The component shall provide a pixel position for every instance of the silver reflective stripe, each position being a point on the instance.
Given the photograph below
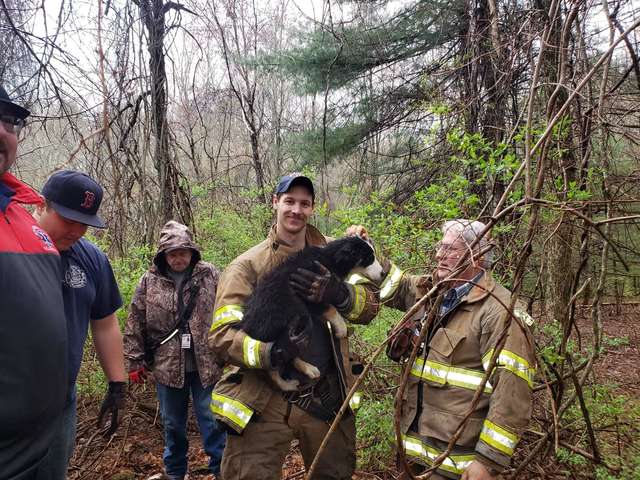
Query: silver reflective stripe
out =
(513, 363)
(251, 352)
(390, 283)
(414, 447)
(453, 463)
(356, 278)
(498, 438)
(226, 314)
(354, 402)
(359, 301)
(467, 379)
(233, 410)
(446, 374)
(429, 371)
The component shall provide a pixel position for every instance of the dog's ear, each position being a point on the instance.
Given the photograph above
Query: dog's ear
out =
(345, 259)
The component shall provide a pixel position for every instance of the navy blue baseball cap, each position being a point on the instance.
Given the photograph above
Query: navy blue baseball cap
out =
(294, 179)
(75, 196)
(8, 107)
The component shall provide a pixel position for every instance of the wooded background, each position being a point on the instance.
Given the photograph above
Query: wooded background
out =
(523, 114)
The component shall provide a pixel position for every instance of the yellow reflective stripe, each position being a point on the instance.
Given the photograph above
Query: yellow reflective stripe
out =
(446, 374)
(498, 438)
(359, 300)
(513, 363)
(233, 410)
(226, 314)
(354, 401)
(429, 371)
(251, 352)
(453, 463)
(356, 278)
(390, 283)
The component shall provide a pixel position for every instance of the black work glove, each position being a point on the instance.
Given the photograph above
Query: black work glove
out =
(287, 348)
(321, 287)
(113, 401)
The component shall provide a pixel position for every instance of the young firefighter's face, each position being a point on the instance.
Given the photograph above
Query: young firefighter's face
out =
(293, 209)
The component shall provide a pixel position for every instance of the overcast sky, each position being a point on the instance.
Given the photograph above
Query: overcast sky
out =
(78, 35)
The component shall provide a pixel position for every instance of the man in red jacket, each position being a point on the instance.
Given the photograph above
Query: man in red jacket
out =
(33, 333)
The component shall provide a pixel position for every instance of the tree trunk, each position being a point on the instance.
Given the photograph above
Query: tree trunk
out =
(171, 193)
(562, 246)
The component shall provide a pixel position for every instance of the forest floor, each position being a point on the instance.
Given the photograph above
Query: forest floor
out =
(135, 452)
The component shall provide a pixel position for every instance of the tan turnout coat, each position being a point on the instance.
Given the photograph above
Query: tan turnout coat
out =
(458, 355)
(246, 388)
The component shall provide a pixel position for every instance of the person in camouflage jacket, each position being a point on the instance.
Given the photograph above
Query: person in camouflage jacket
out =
(166, 334)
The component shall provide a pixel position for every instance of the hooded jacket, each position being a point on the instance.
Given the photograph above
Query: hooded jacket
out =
(450, 369)
(245, 389)
(154, 313)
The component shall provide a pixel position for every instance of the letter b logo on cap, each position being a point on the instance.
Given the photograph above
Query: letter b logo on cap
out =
(89, 200)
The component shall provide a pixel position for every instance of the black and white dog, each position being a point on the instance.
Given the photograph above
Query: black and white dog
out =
(274, 310)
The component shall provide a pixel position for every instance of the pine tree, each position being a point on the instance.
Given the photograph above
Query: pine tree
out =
(376, 69)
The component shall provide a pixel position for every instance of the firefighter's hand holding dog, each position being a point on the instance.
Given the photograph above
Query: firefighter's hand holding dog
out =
(319, 287)
(287, 348)
(358, 231)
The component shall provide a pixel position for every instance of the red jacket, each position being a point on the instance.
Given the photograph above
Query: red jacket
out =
(33, 334)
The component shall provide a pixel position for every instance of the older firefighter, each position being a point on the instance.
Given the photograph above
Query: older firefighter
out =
(263, 420)
(453, 360)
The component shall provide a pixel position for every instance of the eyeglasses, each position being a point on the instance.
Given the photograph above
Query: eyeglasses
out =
(452, 250)
(12, 124)
(450, 246)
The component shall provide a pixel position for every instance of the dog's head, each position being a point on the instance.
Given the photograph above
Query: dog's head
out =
(355, 255)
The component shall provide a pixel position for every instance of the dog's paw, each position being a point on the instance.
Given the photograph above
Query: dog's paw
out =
(338, 325)
(289, 385)
(312, 372)
(284, 385)
(340, 329)
(309, 370)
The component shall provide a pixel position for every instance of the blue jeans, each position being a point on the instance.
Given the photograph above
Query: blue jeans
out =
(64, 442)
(174, 403)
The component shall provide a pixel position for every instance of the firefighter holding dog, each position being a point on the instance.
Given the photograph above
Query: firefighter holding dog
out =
(261, 419)
(454, 357)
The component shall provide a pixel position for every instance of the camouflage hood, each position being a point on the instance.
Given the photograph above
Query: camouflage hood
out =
(174, 235)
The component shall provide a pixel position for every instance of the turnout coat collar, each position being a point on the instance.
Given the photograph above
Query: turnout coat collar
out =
(483, 288)
(312, 237)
